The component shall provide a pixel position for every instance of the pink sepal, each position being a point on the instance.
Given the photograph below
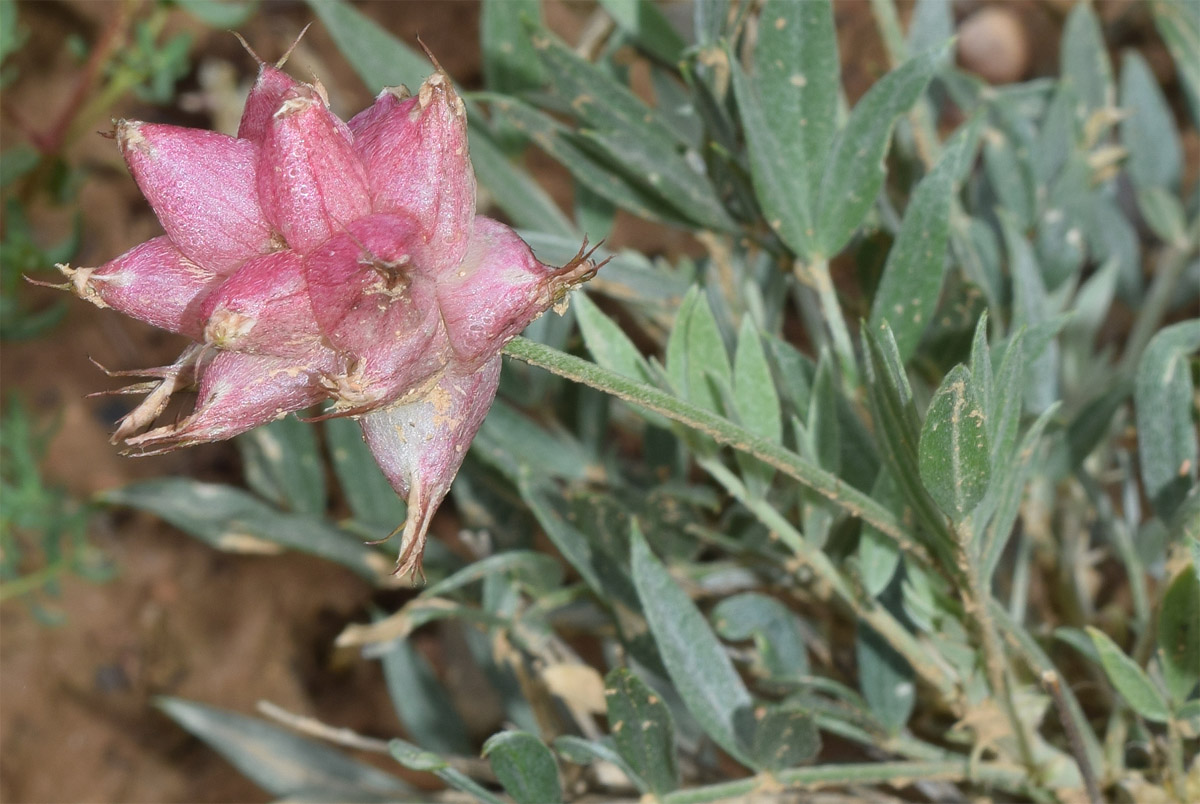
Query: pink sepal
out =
(420, 446)
(310, 182)
(151, 282)
(417, 161)
(499, 288)
(264, 309)
(377, 309)
(201, 185)
(264, 99)
(238, 392)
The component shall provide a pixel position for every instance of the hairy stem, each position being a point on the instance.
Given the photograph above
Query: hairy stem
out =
(976, 599)
(815, 274)
(843, 496)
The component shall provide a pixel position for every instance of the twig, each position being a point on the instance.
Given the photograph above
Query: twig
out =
(1052, 684)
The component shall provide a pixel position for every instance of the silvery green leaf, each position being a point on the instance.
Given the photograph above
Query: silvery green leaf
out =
(932, 23)
(879, 555)
(753, 386)
(1030, 308)
(510, 64)
(1164, 214)
(664, 173)
(1180, 29)
(1179, 634)
(773, 627)
(1163, 401)
(608, 344)
(421, 702)
(1085, 58)
(511, 441)
(705, 354)
(648, 27)
(898, 431)
(1148, 131)
(513, 190)
(642, 730)
(1130, 680)
(414, 758)
(824, 445)
(980, 367)
(789, 113)
(282, 463)
(908, 291)
(1001, 506)
(554, 138)
(1110, 235)
(855, 170)
(955, 456)
(1008, 391)
(695, 660)
(378, 58)
(785, 735)
(1009, 175)
(885, 679)
(524, 766)
(598, 100)
(281, 762)
(230, 519)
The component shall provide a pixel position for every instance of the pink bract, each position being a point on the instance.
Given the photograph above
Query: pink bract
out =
(315, 261)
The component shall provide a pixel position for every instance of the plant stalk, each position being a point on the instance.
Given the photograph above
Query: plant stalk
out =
(845, 497)
(815, 274)
(976, 599)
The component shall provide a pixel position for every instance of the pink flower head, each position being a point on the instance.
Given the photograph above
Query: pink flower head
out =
(313, 261)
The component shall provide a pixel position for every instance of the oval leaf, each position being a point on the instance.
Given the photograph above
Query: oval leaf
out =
(694, 658)
(642, 729)
(1179, 634)
(1130, 680)
(1163, 399)
(954, 453)
(525, 766)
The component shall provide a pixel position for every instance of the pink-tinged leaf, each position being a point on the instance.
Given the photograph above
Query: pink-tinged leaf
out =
(152, 282)
(415, 152)
(378, 310)
(420, 446)
(310, 182)
(238, 392)
(499, 288)
(265, 98)
(264, 309)
(202, 187)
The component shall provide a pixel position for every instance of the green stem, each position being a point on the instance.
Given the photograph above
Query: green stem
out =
(815, 274)
(1036, 659)
(901, 774)
(976, 602)
(843, 496)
